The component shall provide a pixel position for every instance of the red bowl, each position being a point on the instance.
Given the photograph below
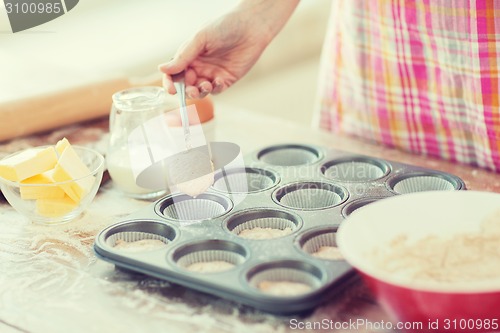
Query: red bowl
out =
(430, 311)
(423, 306)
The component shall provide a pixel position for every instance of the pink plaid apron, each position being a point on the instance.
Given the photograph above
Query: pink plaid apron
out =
(419, 75)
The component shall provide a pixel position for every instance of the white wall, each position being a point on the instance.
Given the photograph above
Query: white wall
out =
(284, 81)
(122, 38)
(98, 40)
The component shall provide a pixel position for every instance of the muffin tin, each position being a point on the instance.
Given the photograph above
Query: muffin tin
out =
(298, 193)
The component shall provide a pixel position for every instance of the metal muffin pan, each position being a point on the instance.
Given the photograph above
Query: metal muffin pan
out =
(296, 195)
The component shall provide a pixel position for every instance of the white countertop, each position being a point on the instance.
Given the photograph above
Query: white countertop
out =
(50, 280)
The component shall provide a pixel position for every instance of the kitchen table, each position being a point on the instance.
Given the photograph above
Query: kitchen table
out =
(51, 281)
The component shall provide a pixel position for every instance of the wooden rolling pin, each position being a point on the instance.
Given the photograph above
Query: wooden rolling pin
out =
(46, 112)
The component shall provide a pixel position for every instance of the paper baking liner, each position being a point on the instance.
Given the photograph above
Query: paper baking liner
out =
(262, 218)
(422, 183)
(286, 271)
(351, 207)
(289, 155)
(310, 195)
(133, 236)
(134, 231)
(355, 170)
(244, 180)
(185, 208)
(312, 241)
(209, 251)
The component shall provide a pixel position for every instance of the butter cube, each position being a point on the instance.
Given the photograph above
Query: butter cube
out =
(71, 167)
(55, 207)
(61, 145)
(41, 192)
(28, 163)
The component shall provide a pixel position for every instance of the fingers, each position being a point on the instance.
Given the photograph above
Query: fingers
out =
(184, 56)
(199, 87)
(204, 87)
(192, 92)
(188, 52)
(168, 85)
(190, 77)
(198, 84)
(200, 90)
(218, 85)
(195, 87)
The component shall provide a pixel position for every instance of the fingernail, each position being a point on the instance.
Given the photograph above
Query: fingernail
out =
(218, 82)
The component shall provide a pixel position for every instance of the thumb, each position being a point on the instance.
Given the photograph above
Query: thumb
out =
(183, 57)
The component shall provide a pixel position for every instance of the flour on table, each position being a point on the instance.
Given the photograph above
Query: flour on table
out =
(264, 233)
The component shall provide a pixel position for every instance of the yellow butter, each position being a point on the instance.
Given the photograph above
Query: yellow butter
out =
(61, 145)
(42, 178)
(71, 167)
(55, 207)
(34, 188)
(28, 164)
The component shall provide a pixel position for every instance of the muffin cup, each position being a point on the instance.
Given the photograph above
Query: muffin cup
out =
(133, 231)
(312, 241)
(351, 207)
(310, 195)
(423, 181)
(181, 207)
(289, 155)
(288, 271)
(209, 251)
(355, 169)
(262, 218)
(245, 180)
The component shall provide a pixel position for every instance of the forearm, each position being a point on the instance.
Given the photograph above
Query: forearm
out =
(225, 49)
(273, 14)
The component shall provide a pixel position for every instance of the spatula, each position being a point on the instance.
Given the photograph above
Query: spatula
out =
(180, 86)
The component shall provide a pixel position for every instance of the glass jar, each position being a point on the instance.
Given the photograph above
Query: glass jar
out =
(138, 137)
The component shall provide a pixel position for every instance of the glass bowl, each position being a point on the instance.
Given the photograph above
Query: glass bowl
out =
(52, 209)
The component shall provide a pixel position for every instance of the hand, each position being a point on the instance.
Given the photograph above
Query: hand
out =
(225, 50)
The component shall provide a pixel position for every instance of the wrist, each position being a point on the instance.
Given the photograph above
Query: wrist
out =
(266, 16)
